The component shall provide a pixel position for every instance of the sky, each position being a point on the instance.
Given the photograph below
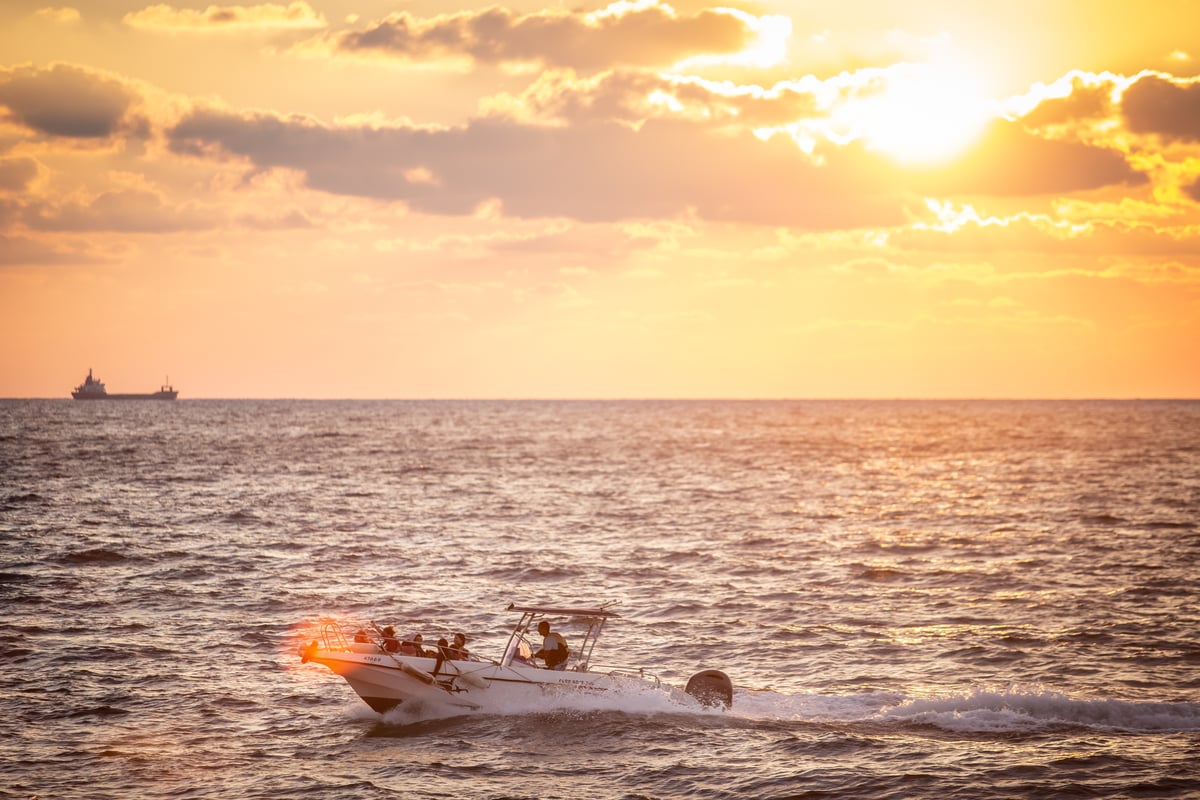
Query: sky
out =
(631, 199)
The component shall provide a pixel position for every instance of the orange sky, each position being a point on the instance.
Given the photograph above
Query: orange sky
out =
(633, 199)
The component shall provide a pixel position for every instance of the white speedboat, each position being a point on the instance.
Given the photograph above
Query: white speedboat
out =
(387, 671)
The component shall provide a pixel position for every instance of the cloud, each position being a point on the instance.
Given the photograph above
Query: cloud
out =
(1105, 108)
(1075, 98)
(17, 173)
(588, 167)
(632, 96)
(1192, 190)
(61, 16)
(1010, 160)
(162, 17)
(592, 172)
(962, 230)
(67, 101)
(1150, 120)
(618, 145)
(125, 210)
(23, 250)
(284, 220)
(994, 164)
(646, 34)
(1160, 105)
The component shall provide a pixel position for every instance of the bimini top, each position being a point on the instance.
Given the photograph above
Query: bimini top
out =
(601, 612)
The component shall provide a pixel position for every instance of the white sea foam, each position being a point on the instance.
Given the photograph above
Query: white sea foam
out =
(1013, 709)
(1031, 709)
(764, 704)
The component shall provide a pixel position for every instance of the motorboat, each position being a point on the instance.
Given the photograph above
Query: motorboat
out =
(388, 671)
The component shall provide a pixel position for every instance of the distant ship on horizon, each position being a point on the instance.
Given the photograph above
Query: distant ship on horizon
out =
(93, 389)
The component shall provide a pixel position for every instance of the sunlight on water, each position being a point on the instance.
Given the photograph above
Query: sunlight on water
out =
(912, 599)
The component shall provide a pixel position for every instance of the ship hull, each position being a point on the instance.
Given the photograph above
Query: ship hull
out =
(151, 396)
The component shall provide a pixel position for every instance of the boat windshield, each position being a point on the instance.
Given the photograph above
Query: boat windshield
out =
(519, 650)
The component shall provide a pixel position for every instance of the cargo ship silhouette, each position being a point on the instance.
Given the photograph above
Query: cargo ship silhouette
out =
(93, 389)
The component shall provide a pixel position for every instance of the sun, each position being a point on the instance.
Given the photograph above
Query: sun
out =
(918, 113)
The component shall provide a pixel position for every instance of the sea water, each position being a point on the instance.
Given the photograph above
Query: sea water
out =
(913, 599)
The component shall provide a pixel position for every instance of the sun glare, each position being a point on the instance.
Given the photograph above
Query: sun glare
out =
(922, 115)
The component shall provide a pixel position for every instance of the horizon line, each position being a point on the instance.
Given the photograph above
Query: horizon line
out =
(667, 399)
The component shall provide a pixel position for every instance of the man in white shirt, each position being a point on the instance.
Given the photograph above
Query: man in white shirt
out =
(554, 647)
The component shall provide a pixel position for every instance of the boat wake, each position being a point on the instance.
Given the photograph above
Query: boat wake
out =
(1013, 709)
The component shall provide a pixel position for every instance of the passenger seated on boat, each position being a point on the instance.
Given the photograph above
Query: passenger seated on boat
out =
(390, 643)
(458, 651)
(412, 646)
(554, 647)
(361, 637)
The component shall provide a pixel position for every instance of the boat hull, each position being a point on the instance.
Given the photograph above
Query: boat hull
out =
(385, 680)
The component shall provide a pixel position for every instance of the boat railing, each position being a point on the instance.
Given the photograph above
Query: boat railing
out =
(370, 638)
(333, 637)
(625, 671)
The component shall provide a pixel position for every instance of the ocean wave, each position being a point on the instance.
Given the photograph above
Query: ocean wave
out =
(98, 711)
(13, 500)
(1102, 519)
(522, 575)
(882, 574)
(95, 555)
(1025, 710)
(244, 517)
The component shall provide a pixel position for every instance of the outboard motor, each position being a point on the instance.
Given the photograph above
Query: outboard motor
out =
(712, 688)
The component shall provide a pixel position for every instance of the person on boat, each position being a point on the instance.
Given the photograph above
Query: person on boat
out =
(390, 643)
(458, 651)
(554, 647)
(412, 646)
